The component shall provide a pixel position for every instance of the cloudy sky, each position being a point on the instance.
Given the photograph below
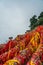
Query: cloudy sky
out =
(15, 15)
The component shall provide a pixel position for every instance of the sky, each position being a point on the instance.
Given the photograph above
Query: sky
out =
(15, 16)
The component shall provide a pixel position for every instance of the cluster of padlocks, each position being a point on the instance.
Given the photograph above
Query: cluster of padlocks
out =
(26, 49)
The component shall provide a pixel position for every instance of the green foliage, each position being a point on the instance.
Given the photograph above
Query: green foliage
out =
(34, 21)
(40, 21)
(41, 15)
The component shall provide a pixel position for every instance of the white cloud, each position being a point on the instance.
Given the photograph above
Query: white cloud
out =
(11, 21)
(15, 15)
